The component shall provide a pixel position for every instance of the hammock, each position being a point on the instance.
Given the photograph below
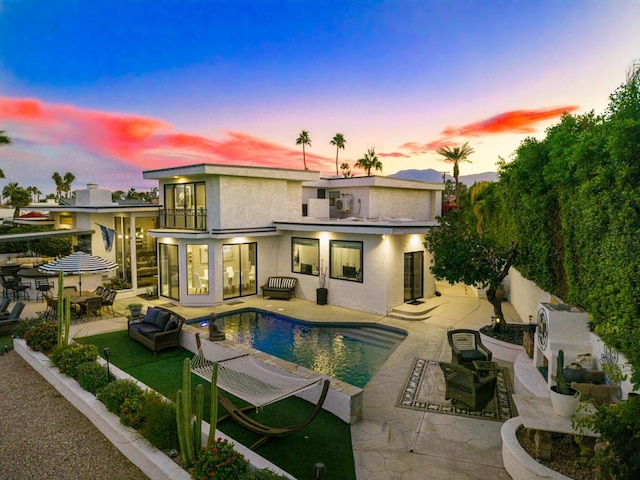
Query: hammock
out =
(258, 384)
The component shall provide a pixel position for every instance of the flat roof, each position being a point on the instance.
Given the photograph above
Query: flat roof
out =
(36, 235)
(232, 171)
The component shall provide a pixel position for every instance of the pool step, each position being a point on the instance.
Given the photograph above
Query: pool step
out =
(373, 336)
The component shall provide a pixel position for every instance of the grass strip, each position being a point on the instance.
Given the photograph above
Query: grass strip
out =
(326, 440)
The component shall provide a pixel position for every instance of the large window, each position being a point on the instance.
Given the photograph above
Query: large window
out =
(305, 255)
(169, 271)
(146, 255)
(185, 206)
(345, 259)
(239, 269)
(198, 269)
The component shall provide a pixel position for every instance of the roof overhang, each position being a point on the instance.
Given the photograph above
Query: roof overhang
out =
(358, 227)
(14, 237)
(232, 171)
(213, 234)
(96, 208)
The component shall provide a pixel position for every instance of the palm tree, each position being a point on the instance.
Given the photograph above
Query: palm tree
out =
(369, 161)
(4, 139)
(34, 191)
(456, 155)
(16, 197)
(59, 184)
(67, 181)
(338, 141)
(303, 139)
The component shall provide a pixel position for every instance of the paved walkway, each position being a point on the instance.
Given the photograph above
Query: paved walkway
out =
(391, 442)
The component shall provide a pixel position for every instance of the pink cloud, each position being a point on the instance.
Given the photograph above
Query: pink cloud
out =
(393, 155)
(514, 121)
(147, 142)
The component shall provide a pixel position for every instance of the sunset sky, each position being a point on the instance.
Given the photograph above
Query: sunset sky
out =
(107, 89)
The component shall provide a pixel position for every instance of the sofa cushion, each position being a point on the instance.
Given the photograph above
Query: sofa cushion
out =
(172, 324)
(146, 329)
(471, 355)
(162, 319)
(150, 316)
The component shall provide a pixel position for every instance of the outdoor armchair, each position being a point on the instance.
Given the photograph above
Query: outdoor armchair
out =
(466, 346)
(7, 323)
(467, 386)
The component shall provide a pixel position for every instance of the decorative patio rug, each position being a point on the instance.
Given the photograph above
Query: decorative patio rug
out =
(425, 388)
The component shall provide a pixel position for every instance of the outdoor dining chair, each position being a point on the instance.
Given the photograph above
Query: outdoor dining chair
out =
(108, 297)
(91, 306)
(42, 288)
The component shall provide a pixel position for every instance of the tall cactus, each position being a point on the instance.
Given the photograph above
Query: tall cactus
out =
(189, 431)
(561, 384)
(64, 313)
(213, 417)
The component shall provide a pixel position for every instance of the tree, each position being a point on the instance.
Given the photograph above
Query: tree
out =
(369, 161)
(303, 139)
(456, 155)
(461, 254)
(57, 178)
(34, 192)
(339, 142)
(68, 180)
(17, 197)
(4, 139)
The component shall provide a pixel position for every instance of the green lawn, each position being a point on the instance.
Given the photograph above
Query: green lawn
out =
(326, 440)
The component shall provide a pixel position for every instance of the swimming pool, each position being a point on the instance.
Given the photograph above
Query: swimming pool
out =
(348, 352)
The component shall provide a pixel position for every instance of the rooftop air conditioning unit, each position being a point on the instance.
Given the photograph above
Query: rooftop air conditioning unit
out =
(343, 204)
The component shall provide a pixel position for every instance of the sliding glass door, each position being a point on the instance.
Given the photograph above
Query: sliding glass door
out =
(239, 269)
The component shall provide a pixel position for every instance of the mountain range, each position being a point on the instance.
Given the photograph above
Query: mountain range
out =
(431, 175)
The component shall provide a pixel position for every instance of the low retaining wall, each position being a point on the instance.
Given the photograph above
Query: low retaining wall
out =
(517, 462)
(502, 350)
(155, 464)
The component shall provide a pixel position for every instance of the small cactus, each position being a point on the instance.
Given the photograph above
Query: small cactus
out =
(561, 384)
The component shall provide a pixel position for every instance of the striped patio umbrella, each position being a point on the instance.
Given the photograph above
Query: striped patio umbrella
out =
(79, 263)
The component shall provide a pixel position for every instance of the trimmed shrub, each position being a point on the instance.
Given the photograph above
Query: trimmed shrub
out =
(92, 376)
(219, 457)
(132, 411)
(21, 328)
(42, 337)
(159, 426)
(115, 393)
(68, 357)
(264, 474)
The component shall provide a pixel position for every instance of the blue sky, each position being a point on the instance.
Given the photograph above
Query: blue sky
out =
(107, 89)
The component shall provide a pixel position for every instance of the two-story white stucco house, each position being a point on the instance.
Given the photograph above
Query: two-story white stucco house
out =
(223, 230)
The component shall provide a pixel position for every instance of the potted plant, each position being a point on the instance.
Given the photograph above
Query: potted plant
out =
(135, 309)
(564, 399)
(322, 293)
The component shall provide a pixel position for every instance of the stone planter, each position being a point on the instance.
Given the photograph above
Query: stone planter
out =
(564, 405)
(501, 350)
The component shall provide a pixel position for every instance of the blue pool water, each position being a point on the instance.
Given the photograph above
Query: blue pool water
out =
(349, 353)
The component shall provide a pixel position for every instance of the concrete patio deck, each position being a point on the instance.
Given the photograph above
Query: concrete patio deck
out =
(390, 442)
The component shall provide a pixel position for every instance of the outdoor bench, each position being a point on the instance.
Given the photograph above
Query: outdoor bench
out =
(158, 329)
(279, 287)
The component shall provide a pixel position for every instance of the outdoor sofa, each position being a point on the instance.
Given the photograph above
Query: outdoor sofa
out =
(279, 287)
(158, 329)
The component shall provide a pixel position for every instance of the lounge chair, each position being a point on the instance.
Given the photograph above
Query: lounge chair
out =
(7, 324)
(466, 347)
(467, 386)
(4, 305)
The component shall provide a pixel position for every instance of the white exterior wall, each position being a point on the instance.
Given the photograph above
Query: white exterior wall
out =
(525, 295)
(400, 203)
(253, 202)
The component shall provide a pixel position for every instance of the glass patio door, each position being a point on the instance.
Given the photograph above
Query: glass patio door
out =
(413, 275)
(239, 269)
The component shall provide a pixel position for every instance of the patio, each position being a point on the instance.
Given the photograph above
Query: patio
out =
(392, 442)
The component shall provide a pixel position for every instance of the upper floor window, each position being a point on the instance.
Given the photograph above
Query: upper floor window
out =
(305, 254)
(345, 259)
(185, 206)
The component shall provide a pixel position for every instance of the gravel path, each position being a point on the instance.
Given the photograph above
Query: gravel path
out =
(42, 435)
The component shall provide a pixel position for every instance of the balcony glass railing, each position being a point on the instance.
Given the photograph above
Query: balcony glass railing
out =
(187, 218)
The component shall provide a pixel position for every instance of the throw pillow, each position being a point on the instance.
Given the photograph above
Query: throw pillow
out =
(162, 319)
(171, 325)
(150, 315)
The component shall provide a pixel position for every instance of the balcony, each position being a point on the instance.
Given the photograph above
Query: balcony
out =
(184, 218)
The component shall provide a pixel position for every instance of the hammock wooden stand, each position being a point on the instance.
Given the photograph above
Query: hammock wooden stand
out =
(201, 367)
